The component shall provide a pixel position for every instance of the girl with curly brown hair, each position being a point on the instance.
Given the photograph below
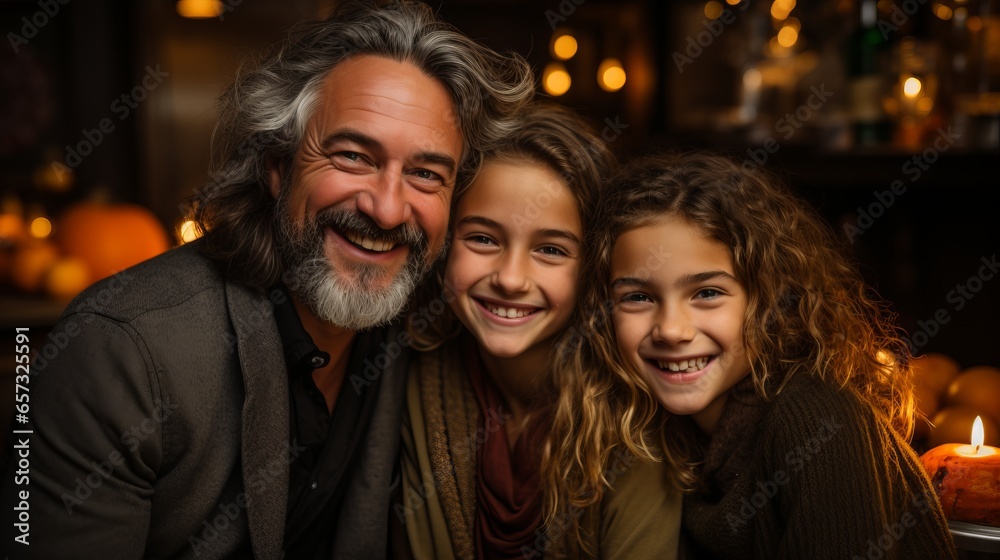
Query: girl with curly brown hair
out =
(725, 333)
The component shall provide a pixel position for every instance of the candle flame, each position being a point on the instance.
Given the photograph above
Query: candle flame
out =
(978, 435)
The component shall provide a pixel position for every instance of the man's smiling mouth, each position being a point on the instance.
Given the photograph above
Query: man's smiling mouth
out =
(368, 243)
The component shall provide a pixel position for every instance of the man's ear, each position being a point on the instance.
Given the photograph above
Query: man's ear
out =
(276, 169)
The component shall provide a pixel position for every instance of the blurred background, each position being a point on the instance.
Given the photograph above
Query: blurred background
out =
(884, 115)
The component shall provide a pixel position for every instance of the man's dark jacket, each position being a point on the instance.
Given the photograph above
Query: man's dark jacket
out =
(160, 426)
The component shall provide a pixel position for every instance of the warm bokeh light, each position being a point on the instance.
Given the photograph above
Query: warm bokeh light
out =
(199, 9)
(752, 78)
(911, 87)
(942, 11)
(925, 105)
(40, 227)
(611, 75)
(188, 231)
(713, 9)
(781, 8)
(555, 79)
(974, 23)
(788, 36)
(775, 48)
(564, 47)
(733, 2)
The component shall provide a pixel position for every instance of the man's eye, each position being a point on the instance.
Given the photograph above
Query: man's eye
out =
(349, 156)
(427, 175)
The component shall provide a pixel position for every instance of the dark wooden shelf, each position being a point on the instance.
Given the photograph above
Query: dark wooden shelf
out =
(866, 170)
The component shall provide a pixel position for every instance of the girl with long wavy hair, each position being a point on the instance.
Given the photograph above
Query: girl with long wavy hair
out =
(480, 396)
(725, 333)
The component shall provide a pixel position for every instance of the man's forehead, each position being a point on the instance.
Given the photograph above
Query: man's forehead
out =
(368, 82)
(382, 98)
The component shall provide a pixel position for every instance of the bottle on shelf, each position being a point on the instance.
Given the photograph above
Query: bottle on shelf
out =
(974, 83)
(865, 62)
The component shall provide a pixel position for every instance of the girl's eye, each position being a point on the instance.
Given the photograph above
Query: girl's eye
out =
(708, 293)
(553, 251)
(480, 239)
(635, 297)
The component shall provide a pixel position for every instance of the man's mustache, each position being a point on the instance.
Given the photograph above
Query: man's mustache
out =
(345, 219)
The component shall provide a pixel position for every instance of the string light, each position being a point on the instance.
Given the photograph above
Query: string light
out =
(564, 47)
(555, 79)
(611, 75)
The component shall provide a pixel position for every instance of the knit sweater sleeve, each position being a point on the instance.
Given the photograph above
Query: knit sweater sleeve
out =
(846, 485)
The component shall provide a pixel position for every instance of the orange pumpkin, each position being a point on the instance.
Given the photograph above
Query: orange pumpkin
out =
(67, 278)
(968, 487)
(110, 238)
(978, 388)
(934, 371)
(30, 263)
(13, 230)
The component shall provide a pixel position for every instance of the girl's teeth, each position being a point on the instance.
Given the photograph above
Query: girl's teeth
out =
(686, 366)
(510, 313)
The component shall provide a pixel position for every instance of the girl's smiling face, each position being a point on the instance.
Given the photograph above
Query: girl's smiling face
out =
(678, 316)
(514, 261)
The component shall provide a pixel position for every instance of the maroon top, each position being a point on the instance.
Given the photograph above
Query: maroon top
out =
(509, 509)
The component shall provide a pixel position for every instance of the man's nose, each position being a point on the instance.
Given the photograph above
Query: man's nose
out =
(385, 200)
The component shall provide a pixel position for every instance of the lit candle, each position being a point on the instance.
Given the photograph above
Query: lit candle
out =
(966, 478)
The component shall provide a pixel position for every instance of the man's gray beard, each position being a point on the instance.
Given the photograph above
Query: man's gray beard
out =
(348, 301)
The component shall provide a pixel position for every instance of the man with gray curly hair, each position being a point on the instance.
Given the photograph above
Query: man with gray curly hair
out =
(241, 396)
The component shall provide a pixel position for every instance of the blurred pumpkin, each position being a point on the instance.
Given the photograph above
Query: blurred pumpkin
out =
(31, 262)
(934, 371)
(110, 237)
(953, 424)
(13, 230)
(67, 278)
(978, 388)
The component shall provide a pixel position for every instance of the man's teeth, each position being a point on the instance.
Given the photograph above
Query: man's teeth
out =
(369, 243)
(685, 366)
(508, 312)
